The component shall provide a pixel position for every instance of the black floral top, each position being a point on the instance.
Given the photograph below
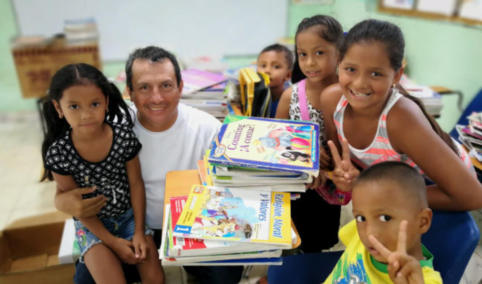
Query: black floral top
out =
(108, 175)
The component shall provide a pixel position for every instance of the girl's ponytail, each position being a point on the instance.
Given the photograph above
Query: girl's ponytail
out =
(442, 134)
(54, 127)
(118, 109)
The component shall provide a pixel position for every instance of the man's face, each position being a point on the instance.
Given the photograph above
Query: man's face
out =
(155, 93)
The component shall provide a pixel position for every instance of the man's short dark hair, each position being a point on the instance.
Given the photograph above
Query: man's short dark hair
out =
(280, 48)
(154, 54)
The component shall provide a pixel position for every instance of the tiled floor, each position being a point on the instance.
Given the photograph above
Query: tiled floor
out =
(22, 195)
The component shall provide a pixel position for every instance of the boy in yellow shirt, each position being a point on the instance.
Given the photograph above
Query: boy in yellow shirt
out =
(276, 61)
(383, 243)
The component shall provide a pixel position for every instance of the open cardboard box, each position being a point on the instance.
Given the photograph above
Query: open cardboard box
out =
(28, 251)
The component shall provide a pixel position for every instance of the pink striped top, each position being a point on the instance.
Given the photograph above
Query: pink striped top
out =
(380, 149)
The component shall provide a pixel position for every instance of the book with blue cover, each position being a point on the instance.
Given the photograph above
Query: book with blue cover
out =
(270, 144)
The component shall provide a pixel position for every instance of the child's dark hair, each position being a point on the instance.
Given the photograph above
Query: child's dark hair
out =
(154, 54)
(75, 75)
(330, 30)
(400, 173)
(280, 48)
(392, 37)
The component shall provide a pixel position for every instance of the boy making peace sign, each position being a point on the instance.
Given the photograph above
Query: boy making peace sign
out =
(383, 243)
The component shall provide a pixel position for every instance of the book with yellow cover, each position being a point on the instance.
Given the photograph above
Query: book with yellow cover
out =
(270, 144)
(231, 214)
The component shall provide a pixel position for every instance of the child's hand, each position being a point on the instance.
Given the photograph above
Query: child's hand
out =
(140, 246)
(124, 250)
(402, 268)
(71, 202)
(344, 173)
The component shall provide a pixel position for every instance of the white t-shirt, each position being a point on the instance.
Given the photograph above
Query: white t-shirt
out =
(177, 148)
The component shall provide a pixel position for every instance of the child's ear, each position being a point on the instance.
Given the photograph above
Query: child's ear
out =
(58, 109)
(398, 75)
(106, 104)
(425, 220)
(288, 76)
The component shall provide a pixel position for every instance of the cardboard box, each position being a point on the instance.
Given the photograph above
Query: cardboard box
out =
(36, 61)
(28, 251)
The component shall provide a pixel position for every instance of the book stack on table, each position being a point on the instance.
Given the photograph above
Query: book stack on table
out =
(241, 213)
(471, 135)
(207, 91)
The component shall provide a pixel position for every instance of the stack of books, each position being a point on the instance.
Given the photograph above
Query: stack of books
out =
(226, 226)
(251, 151)
(241, 215)
(81, 31)
(471, 135)
(207, 91)
(431, 100)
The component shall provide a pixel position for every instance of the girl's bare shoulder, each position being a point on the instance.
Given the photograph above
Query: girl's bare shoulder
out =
(284, 104)
(330, 96)
(287, 93)
(406, 113)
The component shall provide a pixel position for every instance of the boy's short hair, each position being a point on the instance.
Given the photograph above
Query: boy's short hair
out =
(280, 48)
(407, 177)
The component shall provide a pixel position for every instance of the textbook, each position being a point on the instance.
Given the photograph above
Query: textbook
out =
(236, 215)
(195, 80)
(274, 184)
(272, 181)
(269, 144)
(182, 247)
(220, 170)
(228, 262)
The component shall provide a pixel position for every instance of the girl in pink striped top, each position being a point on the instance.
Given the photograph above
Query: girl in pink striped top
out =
(377, 120)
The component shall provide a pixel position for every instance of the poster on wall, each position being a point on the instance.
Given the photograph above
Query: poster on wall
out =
(471, 9)
(444, 7)
(318, 2)
(398, 4)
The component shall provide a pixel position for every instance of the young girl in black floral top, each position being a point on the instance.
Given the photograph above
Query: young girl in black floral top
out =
(90, 143)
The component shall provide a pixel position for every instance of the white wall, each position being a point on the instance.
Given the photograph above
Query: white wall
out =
(187, 27)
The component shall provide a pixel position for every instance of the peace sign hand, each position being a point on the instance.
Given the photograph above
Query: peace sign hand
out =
(344, 173)
(402, 268)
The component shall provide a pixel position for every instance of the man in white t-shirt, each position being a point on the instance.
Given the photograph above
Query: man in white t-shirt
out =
(173, 137)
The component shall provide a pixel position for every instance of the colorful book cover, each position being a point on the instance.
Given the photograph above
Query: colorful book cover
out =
(272, 144)
(237, 215)
(180, 247)
(195, 80)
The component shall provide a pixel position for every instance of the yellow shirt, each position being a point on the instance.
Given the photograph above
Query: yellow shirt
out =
(356, 265)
